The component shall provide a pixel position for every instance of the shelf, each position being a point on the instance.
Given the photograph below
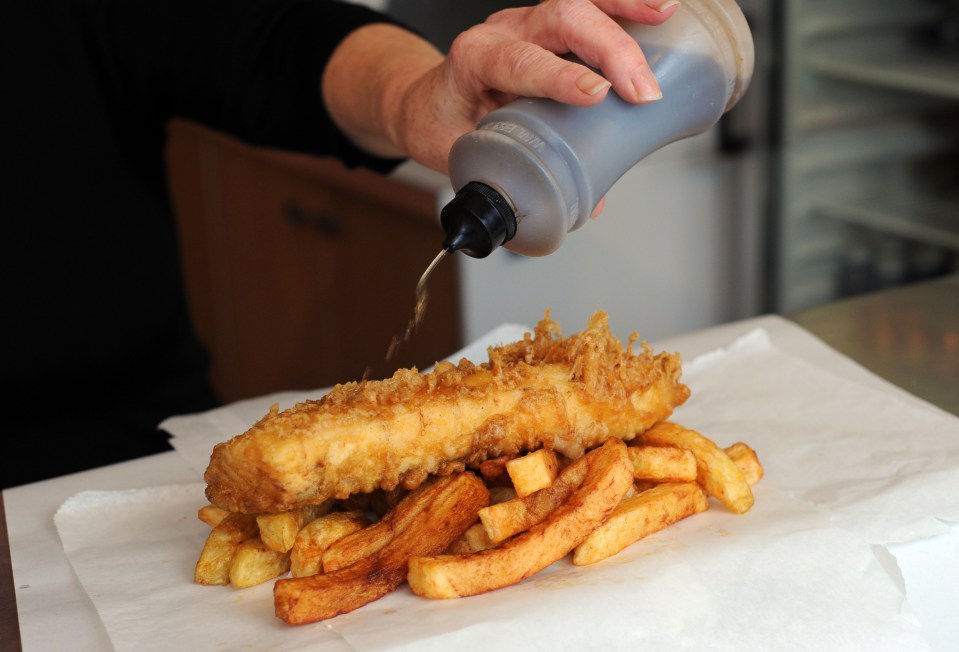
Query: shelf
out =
(841, 149)
(831, 112)
(927, 220)
(928, 73)
(856, 18)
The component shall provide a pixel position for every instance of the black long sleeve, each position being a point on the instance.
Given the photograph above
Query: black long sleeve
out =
(97, 346)
(249, 67)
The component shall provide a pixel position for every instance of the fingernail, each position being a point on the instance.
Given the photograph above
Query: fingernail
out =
(647, 92)
(591, 83)
(661, 5)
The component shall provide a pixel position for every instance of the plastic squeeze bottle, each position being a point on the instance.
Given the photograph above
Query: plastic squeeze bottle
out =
(534, 169)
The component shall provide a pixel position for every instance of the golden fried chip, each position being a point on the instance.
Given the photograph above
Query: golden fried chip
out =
(501, 494)
(503, 520)
(640, 516)
(607, 478)
(748, 462)
(533, 471)
(212, 515)
(450, 507)
(494, 471)
(663, 463)
(255, 563)
(369, 540)
(473, 540)
(306, 555)
(716, 472)
(213, 566)
(278, 531)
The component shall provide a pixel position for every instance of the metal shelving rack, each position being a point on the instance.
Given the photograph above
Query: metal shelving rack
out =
(867, 169)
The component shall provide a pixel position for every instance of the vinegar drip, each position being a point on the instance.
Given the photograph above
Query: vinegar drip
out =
(419, 308)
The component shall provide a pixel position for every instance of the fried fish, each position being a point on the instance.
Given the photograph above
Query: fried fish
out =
(568, 394)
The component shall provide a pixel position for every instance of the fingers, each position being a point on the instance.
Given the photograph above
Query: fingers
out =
(586, 30)
(517, 51)
(599, 209)
(521, 52)
(522, 67)
(648, 12)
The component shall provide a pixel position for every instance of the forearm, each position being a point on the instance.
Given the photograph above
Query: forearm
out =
(366, 83)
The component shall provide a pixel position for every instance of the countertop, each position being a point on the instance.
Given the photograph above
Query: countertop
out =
(908, 335)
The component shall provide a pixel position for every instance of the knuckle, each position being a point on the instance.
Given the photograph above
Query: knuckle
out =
(521, 59)
(571, 13)
(466, 42)
(507, 16)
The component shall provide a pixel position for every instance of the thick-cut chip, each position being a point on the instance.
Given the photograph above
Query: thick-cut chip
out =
(640, 516)
(716, 473)
(533, 472)
(449, 507)
(494, 471)
(473, 540)
(306, 556)
(748, 462)
(278, 531)
(370, 540)
(255, 563)
(382, 501)
(608, 476)
(212, 515)
(510, 517)
(663, 463)
(213, 567)
(501, 494)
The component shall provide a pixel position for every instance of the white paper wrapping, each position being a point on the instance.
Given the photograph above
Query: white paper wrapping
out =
(884, 469)
(781, 577)
(847, 468)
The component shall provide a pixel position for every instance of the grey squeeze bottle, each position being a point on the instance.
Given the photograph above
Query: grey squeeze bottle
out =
(533, 170)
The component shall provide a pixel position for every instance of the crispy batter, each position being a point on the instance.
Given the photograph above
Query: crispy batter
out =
(568, 394)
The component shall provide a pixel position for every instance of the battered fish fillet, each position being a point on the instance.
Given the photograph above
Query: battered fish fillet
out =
(568, 394)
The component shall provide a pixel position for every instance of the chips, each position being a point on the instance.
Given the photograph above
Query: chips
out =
(745, 458)
(462, 535)
(255, 563)
(278, 531)
(473, 540)
(716, 472)
(221, 545)
(212, 515)
(439, 514)
(606, 478)
(533, 472)
(510, 517)
(306, 556)
(494, 472)
(637, 517)
(370, 540)
(662, 464)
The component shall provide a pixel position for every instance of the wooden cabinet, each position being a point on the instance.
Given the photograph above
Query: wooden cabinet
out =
(299, 272)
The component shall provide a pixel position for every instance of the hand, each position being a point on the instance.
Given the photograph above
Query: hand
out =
(423, 101)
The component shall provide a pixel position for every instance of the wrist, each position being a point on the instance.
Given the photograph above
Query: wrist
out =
(367, 85)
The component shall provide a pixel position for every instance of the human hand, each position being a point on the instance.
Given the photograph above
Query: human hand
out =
(404, 98)
(517, 52)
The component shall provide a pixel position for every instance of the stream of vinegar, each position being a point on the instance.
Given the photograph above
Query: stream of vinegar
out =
(419, 310)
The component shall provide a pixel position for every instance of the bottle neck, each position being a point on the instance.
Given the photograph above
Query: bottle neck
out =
(477, 221)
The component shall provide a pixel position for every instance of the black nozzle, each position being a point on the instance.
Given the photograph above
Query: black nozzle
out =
(477, 220)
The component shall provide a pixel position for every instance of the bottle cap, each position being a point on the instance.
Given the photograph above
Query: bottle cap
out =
(477, 220)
